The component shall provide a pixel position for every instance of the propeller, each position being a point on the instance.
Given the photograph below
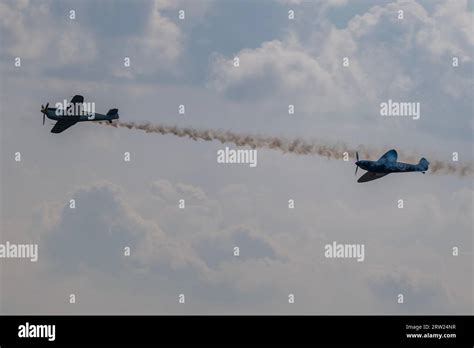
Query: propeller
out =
(357, 167)
(44, 110)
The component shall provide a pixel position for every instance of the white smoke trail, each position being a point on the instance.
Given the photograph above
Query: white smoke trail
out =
(297, 145)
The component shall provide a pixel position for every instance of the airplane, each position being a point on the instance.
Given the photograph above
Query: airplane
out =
(387, 164)
(73, 113)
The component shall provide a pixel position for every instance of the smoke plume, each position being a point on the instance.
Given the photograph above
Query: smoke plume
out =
(295, 146)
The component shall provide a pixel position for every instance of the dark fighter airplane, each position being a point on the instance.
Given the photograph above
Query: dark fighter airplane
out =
(74, 112)
(388, 164)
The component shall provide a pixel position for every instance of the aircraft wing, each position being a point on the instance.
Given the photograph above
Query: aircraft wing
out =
(369, 176)
(390, 156)
(62, 125)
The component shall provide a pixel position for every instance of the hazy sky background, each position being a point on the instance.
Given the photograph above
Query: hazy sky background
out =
(190, 251)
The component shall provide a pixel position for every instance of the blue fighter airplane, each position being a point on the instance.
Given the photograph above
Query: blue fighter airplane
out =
(74, 112)
(387, 164)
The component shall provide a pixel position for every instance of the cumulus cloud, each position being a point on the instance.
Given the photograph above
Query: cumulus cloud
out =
(166, 190)
(42, 31)
(219, 247)
(31, 32)
(159, 46)
(92, 237)
(420, 294)
(193, 252)
(95, 233)
(389, 58)
(281, 250)
(275, 68)
(448, 33)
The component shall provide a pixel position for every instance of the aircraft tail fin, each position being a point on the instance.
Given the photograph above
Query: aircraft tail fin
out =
(112, 112)
(423, 164)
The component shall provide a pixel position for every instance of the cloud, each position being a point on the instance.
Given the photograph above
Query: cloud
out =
(220, 247)
(191, 250)
(43, 35)
(324, 3)
(32, 33)
(158, 47)
(274, 68)
(166, 190)
(92, 237)
(389, 58)
(449, 32)
(95, 232)
(420, 293)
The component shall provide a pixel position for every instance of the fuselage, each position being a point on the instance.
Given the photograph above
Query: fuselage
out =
(389, 167)
(57, 114)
